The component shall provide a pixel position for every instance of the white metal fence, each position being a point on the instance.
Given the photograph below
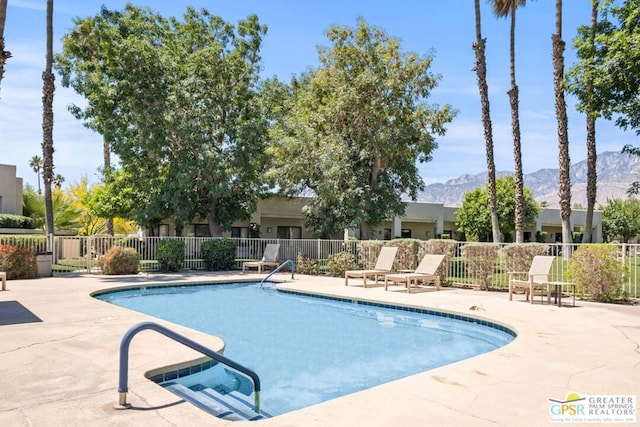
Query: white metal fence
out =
(82, 253)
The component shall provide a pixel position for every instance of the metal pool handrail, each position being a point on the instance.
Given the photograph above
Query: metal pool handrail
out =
(278, 268)
(123, 387)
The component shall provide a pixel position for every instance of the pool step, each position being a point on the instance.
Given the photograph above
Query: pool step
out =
(232, 406)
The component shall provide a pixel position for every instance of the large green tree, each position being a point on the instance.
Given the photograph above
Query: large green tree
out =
(474, 217)
(178, 102)
(621, 219)
(355, 128)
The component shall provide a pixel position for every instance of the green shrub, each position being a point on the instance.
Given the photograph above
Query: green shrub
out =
(119, 260)
(306, 265)
(219, 255)
(340, 262)
(541, 236)
(18, 263)
(15, 221)
(170, 255)
(480, 259)
(596, 271)
(519, 255)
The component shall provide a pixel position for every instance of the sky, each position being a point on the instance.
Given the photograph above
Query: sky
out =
(445, 30)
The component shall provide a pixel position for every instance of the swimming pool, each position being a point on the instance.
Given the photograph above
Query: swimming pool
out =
(308, 350)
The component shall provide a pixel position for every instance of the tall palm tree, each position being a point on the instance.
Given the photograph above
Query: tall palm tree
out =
(4, 55)
(481, 71)
(591, 132)
(504, 8)
(36, 164)
(47, 123)
(564, 180)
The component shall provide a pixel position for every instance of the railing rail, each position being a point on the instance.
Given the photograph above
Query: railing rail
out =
(123, 378)
(278, 268)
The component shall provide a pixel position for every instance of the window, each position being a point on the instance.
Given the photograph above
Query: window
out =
(240, 232)
(289, 232)
(201, 230)
(405, 233)
(161, 230)
(387, 234)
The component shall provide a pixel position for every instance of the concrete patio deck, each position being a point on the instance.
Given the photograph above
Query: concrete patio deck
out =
(63, 369)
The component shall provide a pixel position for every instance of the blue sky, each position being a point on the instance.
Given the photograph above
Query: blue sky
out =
(445, 29)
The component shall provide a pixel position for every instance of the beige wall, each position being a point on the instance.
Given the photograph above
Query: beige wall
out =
(10, 191)
(425, 220)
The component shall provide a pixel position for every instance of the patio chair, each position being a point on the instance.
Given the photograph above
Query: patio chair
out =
(383, 266)
(269, 258)
(426, 271)
(538, 276)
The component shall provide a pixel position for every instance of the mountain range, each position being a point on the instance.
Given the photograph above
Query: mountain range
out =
(615, 172)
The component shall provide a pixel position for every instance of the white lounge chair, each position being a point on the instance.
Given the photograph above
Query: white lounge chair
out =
(539, 275)
(269, 258)
(426, 271)
(383, 266)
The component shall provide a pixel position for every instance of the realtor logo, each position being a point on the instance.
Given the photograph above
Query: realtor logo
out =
(593, 409)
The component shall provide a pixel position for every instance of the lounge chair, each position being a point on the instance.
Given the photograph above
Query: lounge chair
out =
(426, 271)
(539, 275)
(383, 266)
(269, 258)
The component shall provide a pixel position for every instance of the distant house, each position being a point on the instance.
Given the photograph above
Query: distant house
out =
(282, 218)
(10, 191)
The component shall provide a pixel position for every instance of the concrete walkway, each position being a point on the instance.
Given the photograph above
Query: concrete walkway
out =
(63, 369)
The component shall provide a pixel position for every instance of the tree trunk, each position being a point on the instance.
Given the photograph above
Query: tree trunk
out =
(591, 175)
(564, 180)
(365, 231)
(47, 122)
(106, 158)
(214, 223)
(481, 71)
(515, 128)
(592, 178)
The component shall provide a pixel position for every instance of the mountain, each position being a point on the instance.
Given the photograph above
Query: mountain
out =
(615, 171)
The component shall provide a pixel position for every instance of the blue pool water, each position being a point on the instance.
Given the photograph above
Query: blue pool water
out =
(308, 350)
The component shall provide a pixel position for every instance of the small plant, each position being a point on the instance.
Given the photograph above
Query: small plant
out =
(519, 255)
(597, 271)
(368, 251)
(480, 259)
(170, 255)
(18, 263)
(119, 260)
(219, 255)
(306, 265)
(340, 262)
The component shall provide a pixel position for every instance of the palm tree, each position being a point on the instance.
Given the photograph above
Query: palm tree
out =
(58, 180)
(36, 165)
(591, 132)
(47, 123)
(503, 8)
(4, 55)
(481, 71)
(564, 181)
